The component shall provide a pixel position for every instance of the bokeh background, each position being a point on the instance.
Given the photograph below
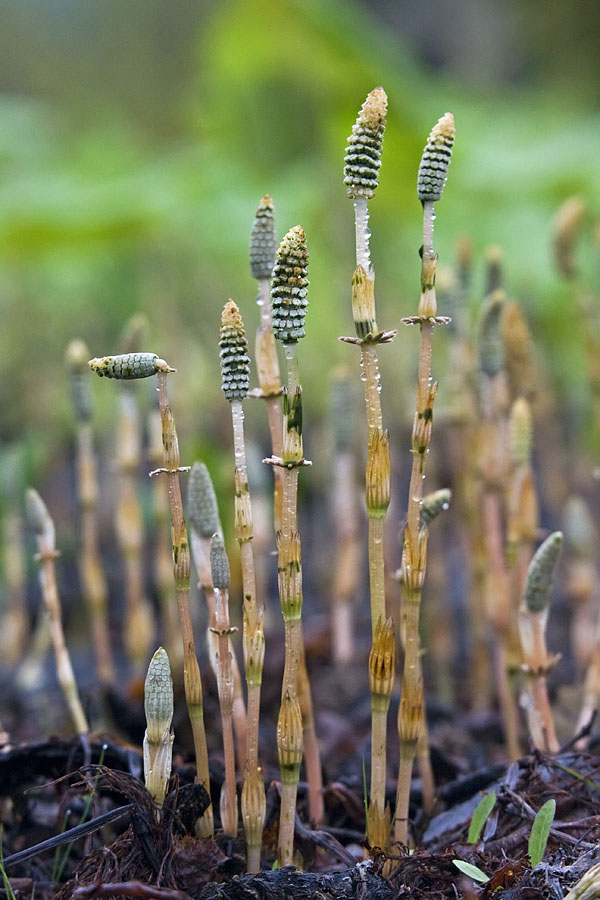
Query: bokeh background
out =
(137, 138)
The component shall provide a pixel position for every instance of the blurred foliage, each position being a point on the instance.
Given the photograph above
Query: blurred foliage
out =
(102, 216)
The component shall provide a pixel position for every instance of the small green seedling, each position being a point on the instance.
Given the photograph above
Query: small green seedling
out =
(472, 871)
(540, 831)
(480, 817)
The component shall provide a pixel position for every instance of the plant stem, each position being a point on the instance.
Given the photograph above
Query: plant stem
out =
(228, 803)
(269, 381)
(93, 581)
(253, 793)
(181, 569)
(414, 557)
(290, 595)
(45, 534)
(139, 625)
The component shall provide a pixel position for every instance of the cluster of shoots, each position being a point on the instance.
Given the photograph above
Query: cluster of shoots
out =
(511, 583)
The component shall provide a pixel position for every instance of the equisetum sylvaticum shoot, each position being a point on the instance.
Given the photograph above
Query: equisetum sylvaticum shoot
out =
(219, 566)
(158, 738)
(41, 523)
(235, 369)
(263, 251)
(267, 364)
(431, 179)
(537, 663)
(361, 177)
(203, 515)
(289, 302)
(143, 365)
(93, 581)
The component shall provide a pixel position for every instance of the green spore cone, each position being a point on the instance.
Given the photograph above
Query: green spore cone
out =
(219, 564)
(541, 572)
(289, 287)
(433, 169)
(127, 366)
(235, 362)
(363, 153)
(203, 511)
(263, 242)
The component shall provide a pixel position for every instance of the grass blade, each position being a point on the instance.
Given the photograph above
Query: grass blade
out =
(540, 831)
(472, 871)
(480, 817)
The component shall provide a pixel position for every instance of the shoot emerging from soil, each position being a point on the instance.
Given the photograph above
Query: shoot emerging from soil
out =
(430, 184)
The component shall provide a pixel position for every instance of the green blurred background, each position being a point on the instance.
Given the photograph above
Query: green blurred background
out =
(137, 138)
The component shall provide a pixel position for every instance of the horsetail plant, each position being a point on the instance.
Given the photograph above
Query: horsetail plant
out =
(537, 663)
(289, 301)
(267, 363)
(235, 369)
(158, 738)
(93, 581)
(204, 520)
(263, 251)
(144, 365)
(41, 522)
(431, 179)
(219, 565)
(361, 177)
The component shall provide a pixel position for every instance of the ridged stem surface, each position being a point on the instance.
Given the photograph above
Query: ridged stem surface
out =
(411, 713)
(93, 582)
(139, 626)
(266, 342)
(253, 797)
(290, 592)
(181, 570)
(228, 803)
(64, 670)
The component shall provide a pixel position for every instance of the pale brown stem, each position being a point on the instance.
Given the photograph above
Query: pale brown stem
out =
(201, 547)
(270, 383)
(139, 625)
(370, 368)
(411, 715)
(378, 755)
(345, 580)
(14, 622)
(162, 557)
(64, 670)
(499, 615)
(376, 571)
(93, 582)
(181, 569)
(228, 805)
(289, 791)
(274, 418)
(312, 756)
